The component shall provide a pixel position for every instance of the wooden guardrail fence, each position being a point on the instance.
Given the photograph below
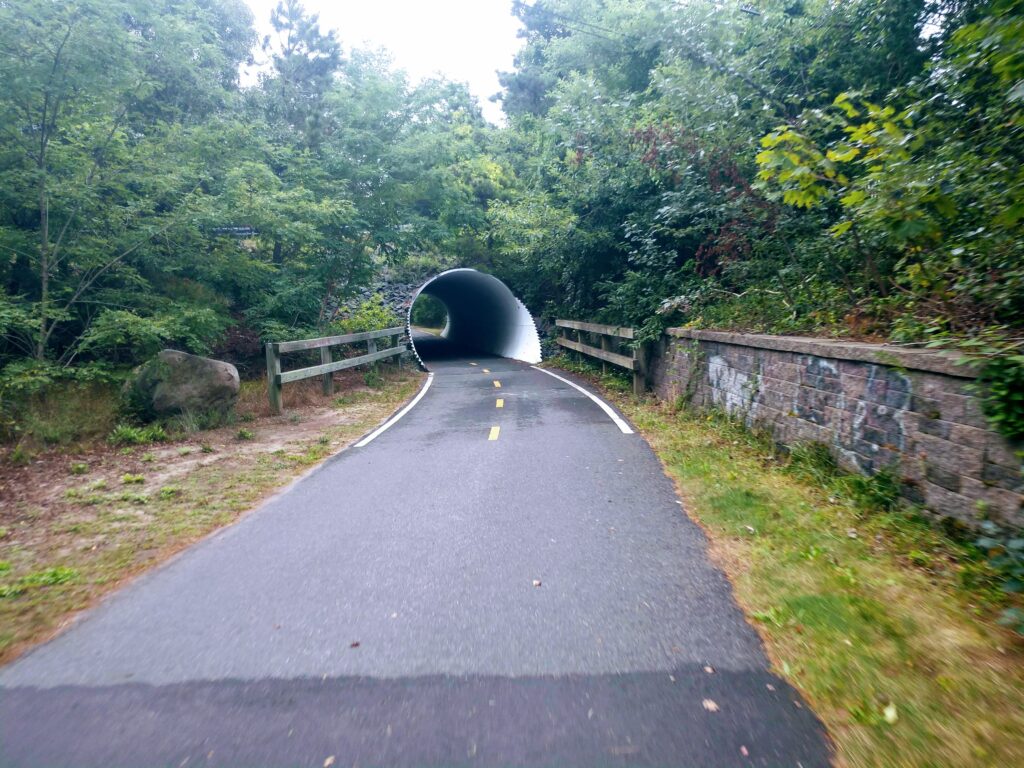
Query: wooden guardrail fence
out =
(276, 378)
(608, 338)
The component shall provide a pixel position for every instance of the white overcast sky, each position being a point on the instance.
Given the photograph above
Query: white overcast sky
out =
(465, 40)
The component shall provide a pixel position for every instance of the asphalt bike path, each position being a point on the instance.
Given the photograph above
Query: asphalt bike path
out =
(503, 577)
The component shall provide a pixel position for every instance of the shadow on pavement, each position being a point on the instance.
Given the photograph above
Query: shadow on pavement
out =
(686, 718)
(434, 349)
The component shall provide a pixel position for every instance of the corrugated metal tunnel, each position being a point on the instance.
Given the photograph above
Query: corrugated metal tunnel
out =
(483, 315)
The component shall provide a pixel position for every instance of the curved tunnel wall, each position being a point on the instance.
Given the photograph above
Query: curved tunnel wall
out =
(483, 314)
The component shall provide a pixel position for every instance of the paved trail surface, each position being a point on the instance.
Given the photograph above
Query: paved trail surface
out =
(384, 611)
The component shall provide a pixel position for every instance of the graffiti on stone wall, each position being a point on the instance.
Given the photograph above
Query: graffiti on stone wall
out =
(863, 405)
(732, 390)
(860, 407)
(926, 425)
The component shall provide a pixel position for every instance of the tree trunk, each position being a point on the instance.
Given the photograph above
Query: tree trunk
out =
(44, 266)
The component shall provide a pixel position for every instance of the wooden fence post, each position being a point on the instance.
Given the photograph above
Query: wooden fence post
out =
(274, 377)
(606, 345)
(640, 372)
(371, 347)
(328, 380)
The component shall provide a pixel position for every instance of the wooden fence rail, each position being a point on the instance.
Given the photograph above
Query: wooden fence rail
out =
(275, 377)
(608, 336)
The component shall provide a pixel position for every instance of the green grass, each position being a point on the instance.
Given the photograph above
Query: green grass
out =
(869, 610)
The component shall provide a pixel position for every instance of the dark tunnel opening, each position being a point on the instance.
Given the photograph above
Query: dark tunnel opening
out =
(483, 317)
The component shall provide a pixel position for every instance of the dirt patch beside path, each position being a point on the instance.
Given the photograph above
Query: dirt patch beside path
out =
(73, 527)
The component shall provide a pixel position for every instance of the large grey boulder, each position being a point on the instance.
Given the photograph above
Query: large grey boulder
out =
(176, 382)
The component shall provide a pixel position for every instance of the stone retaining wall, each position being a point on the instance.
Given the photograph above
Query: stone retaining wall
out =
(876, 407)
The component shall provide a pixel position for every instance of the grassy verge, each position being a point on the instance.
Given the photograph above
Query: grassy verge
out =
(883, 622)
(78, 525)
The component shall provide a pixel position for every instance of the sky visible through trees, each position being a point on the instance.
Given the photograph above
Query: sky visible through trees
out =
(464, 40)
(788, 166)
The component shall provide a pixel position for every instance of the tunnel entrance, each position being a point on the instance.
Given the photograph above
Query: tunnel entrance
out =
(483, 316)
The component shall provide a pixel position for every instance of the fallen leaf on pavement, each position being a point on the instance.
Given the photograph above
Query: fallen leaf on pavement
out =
(709, 705)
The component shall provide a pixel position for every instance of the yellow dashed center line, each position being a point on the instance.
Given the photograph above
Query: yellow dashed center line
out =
(472, 363)
(500, 403)
(494, 433)
(497, 384)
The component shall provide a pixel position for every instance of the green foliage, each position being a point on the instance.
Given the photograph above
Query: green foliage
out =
(429, 312)
(373, 378)
(190, 422)
(130, 479)
(125, 336)
(43, 406)
(45, 578)
(371, 315)
(127, 434)
(245, 434)
(843, 168)
(848, 169)
(815, 462)
(1002, 380)
(1004, 551)
(149, 200)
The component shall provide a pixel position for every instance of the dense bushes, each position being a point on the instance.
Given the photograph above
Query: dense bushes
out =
(750, 167)
(800, 167)
(148, 200)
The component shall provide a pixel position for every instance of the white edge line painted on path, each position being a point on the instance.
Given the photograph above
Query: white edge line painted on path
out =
(391, 422)
(619, 421)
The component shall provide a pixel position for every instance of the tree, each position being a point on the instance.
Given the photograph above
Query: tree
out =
(306, 62)
(77, 88)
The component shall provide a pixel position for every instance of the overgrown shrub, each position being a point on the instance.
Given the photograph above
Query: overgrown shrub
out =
(190, 422)
(815, 462)
(1004, 551)
(1002, 391)
(128, 434)
(372, 315)
(45, 405)
(128, 337)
